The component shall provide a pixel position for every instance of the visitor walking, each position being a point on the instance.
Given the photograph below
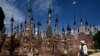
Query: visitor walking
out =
(83, 49)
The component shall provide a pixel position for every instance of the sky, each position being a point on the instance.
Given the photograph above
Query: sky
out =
(65, 10)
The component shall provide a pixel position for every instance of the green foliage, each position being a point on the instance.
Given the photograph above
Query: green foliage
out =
(96, 40)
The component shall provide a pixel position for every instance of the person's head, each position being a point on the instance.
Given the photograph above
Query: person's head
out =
(82, 42)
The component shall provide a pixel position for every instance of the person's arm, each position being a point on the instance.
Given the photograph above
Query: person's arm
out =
(85, 49)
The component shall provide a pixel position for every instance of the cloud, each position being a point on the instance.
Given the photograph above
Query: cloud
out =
(8, 11)
(42, 6)
(74, 2)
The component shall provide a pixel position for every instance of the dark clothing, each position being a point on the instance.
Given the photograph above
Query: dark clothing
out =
(81, 51)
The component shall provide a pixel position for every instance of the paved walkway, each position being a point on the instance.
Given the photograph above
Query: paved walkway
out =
(95, 54)
(93, 50)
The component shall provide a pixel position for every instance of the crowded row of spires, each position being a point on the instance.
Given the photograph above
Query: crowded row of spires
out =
(31, 40)
(37, 28)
